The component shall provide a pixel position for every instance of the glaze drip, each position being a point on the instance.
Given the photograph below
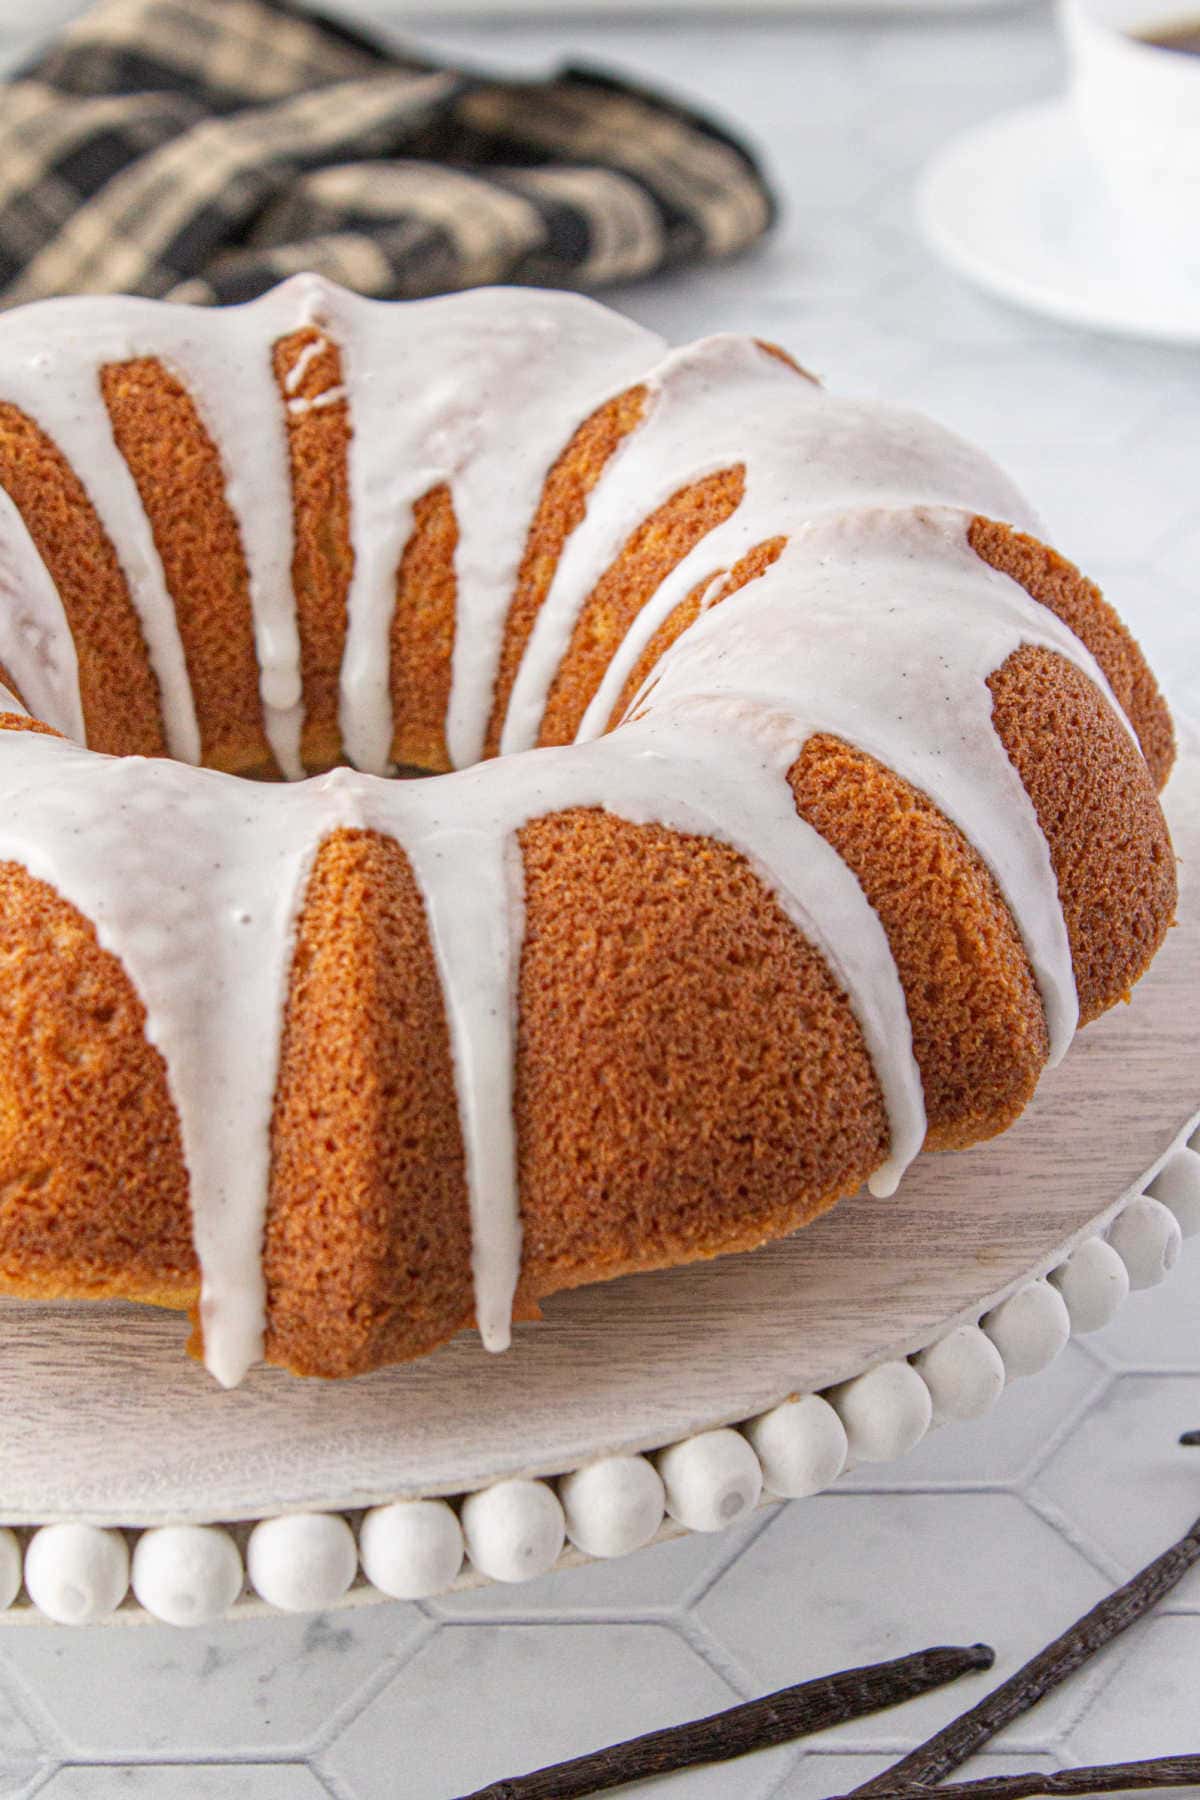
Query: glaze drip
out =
(877, 623)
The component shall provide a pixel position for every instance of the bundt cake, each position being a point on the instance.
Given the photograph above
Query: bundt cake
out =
(804, 802)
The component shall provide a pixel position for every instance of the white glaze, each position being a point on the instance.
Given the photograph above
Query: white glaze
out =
(37, 648)
(301, 1562)
(483, 391)
(514, 1531)
(710, 1480)
(718, 404)
(186, 1574)
(613, 1506)
(411, 1549)
(871, 675)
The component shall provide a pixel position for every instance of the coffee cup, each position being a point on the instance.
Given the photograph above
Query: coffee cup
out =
(1137, 103)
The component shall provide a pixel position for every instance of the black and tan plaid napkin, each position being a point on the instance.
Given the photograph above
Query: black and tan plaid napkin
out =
(203, 149)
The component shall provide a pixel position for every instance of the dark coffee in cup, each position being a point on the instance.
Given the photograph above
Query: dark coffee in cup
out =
(1178, 34)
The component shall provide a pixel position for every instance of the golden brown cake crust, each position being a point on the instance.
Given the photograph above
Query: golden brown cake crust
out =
(71, 541)
(979, 1034)
(657, 545)
(1106, 834)
(560, 510)
(689, 1078)
(93, 1190)
(178, 473)
(1058, 584)
(422, 635)
(323, 560)
(1105, 831)
(368, 1242)
(756, 562)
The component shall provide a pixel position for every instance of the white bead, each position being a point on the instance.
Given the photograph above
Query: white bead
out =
(10, 1567)
(885, 1412)
(412, 1548)
(801, 1446)
(1093, 1282)
(1029, 1329)
(710, 1479)
(76, 1573)
(187, 1574)
(964, 1373)
(301, 1562)
(1177, 1185)
(613, 1506)
(515, 1530)
(1147, 1238)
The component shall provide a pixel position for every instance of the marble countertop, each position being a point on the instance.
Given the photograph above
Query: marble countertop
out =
(1006, 1529)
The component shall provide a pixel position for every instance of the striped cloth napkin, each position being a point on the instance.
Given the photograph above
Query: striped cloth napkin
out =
(203, 149)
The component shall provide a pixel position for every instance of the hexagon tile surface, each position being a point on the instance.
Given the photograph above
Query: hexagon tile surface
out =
(1005, 1529)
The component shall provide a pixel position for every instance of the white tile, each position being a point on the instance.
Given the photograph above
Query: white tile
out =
(23, 1732)
(1086, 499)
(482, 1702)
(250, 1685)
(820, 1773)
(854, 1578)
(1122, 1480)
(1068, 393)
(159, 1781)
(1149, 1708)
(1160, 612)
(999, 56)
(1159, 1328)
(968, 319)
(654, 1581)
(1179, 555)
(1000, 1447)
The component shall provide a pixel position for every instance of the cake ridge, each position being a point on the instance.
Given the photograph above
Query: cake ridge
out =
(877, 623)
(715, 404)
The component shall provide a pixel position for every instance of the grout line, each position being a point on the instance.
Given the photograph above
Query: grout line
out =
(32, 1708)
(704, 1644)
(329, 1784)
(769, 1511)
(39, 1780)
(343, 1716)
(1064, 1527)
(161, 1759)
(1103, 1380)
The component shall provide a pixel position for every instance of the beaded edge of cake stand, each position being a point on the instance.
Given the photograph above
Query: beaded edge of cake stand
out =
(521, 1528)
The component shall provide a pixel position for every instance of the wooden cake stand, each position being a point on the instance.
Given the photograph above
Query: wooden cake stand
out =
(105, 1422)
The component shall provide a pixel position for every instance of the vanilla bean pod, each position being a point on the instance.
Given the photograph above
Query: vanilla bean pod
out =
(949, 1748)
(777, 1718)
(1104, 1778)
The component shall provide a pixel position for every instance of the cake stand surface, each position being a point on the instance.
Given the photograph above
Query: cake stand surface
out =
(105, 1420)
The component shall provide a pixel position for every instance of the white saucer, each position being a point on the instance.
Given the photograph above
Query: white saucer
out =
(1017, 206)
